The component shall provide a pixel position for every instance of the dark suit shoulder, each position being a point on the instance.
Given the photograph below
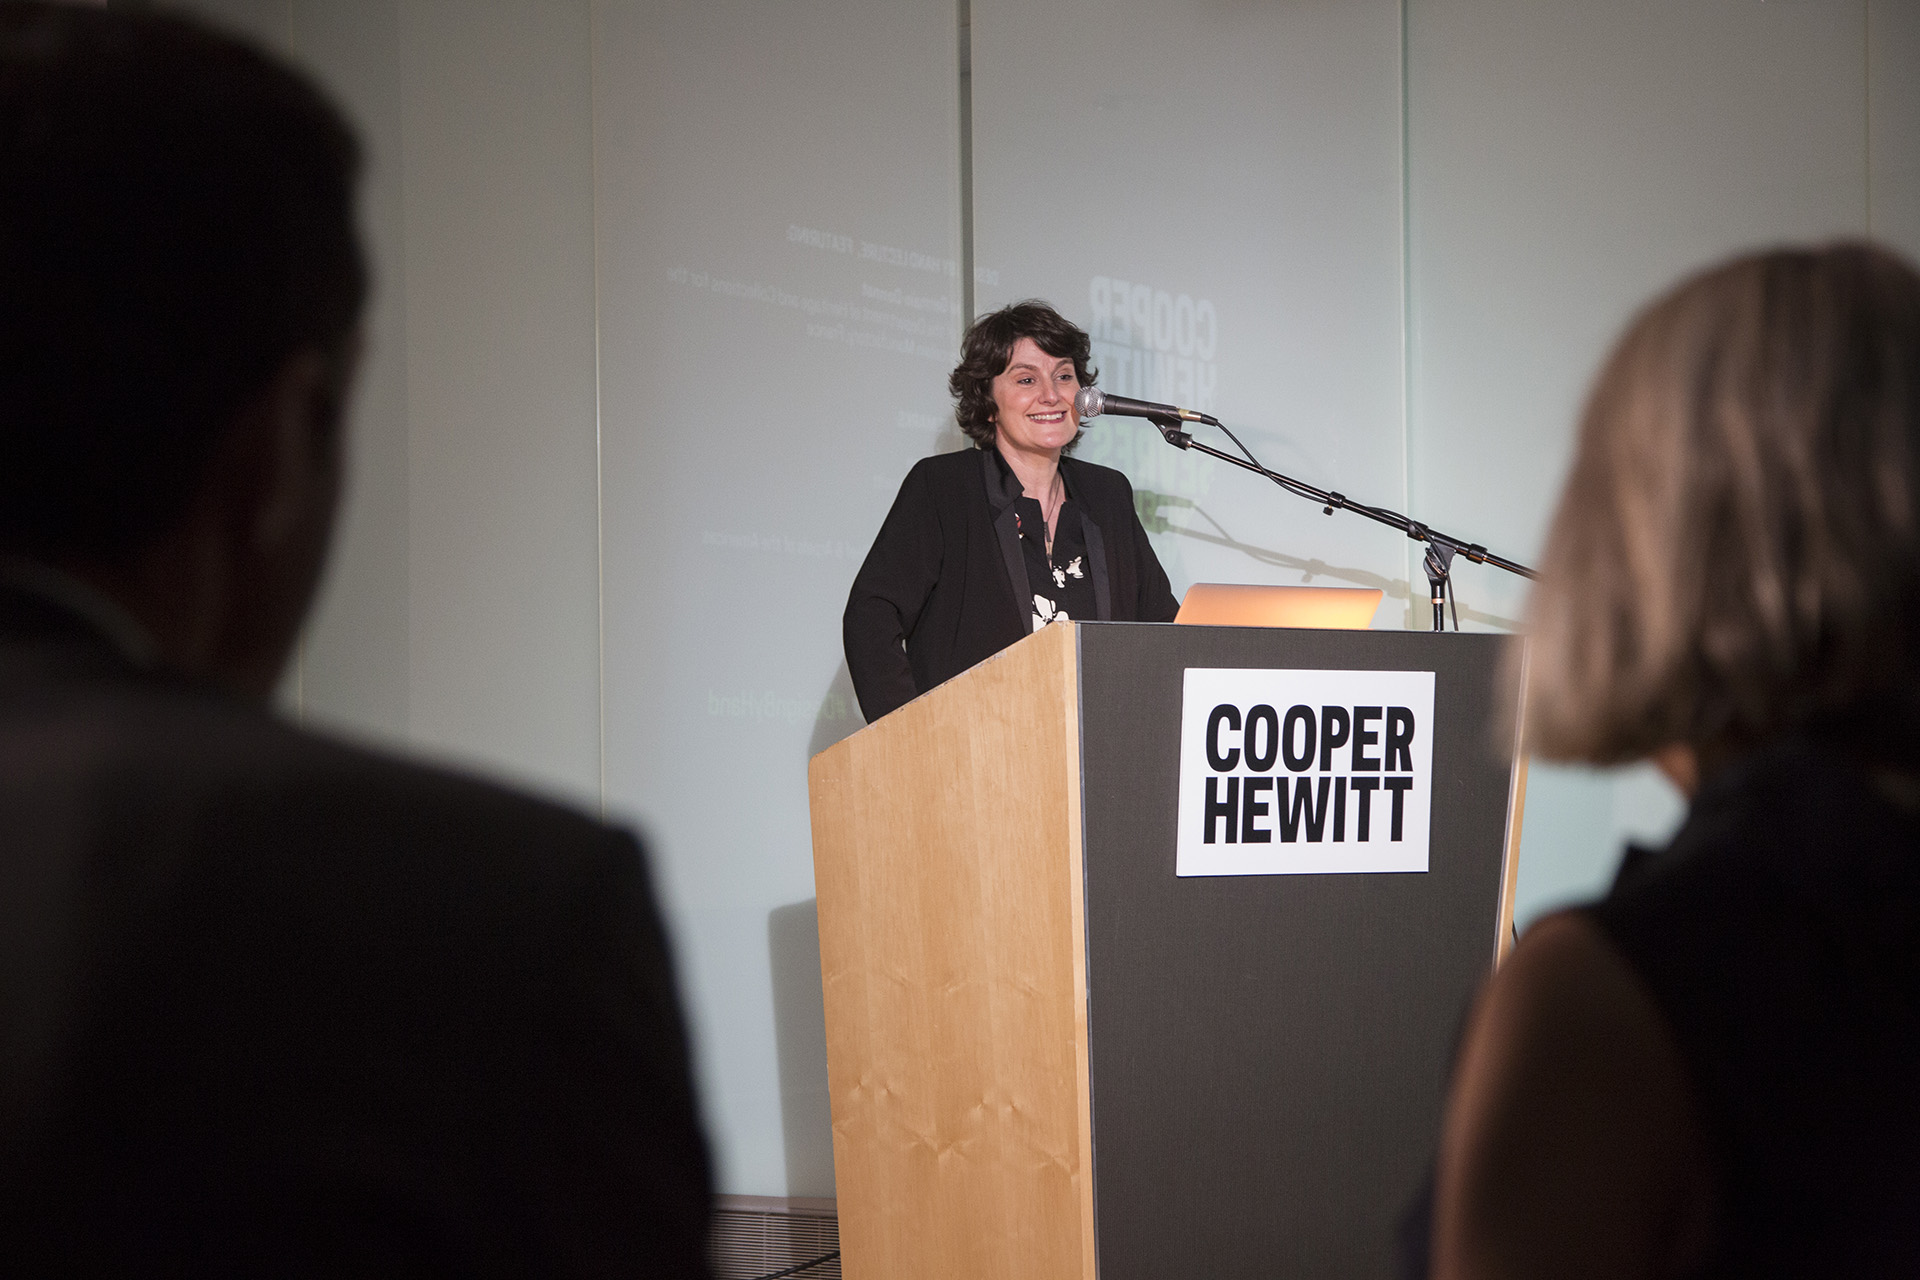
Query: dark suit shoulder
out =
(210, 750)
(946, 472)
(959, 473)
(207, 809)
(325, 1008)
(1103, 491)
(428, 800)
(1097, 481)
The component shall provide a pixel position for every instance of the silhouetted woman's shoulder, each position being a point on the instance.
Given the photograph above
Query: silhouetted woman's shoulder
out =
(1779, 935)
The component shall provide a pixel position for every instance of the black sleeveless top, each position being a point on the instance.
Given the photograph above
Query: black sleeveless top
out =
(1779, 934)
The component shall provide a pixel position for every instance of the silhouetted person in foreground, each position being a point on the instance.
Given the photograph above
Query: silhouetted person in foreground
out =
(1716, 1070)
(268, 1003)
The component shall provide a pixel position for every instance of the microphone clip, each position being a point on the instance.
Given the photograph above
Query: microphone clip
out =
(1170, 430)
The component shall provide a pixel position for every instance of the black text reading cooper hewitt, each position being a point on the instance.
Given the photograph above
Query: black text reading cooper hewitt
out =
(1372, 747)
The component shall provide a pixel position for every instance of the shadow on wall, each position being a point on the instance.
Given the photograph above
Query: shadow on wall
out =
(799, 1008)
(1154, 507)
(800, 1041)
(839, 713)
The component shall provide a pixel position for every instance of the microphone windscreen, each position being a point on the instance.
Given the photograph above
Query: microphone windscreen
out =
(1090, 403)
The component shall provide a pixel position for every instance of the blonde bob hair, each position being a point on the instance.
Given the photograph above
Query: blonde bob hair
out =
(1736, 554)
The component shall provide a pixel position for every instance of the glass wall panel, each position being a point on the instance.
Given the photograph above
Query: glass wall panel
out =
(779, 298)
(1566, 161)
(1213, 191)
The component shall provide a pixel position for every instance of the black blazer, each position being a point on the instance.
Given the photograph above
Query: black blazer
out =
(945, 576)
(275, 1005)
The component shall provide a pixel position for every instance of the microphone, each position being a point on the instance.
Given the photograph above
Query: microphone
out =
(1092, 402)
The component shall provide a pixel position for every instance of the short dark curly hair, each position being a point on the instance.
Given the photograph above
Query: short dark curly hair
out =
(987, 349)
(1736, 556)
(176, 220)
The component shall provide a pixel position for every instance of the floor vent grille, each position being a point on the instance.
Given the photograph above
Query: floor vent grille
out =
(757, 1236)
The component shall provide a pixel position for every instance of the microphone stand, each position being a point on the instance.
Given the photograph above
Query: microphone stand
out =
(1441, 547)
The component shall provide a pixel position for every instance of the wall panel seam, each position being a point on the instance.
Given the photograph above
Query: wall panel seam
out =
(599, 454)
(963, 72)
(1406, 291)
(1866, 103)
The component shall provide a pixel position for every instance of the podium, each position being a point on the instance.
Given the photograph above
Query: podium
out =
(1050, 1055)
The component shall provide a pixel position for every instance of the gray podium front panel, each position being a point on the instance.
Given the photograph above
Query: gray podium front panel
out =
(1268, 1053)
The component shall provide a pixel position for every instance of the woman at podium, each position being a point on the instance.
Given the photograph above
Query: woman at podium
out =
(993, 542)
(1712, 1071)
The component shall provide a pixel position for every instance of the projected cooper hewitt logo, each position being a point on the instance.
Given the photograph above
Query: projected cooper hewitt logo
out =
(1153, 344)
(1304, 772)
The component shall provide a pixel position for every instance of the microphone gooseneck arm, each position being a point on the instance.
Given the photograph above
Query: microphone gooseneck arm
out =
(1441, 547)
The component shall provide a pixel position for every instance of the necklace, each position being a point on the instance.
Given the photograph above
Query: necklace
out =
(1050, 509)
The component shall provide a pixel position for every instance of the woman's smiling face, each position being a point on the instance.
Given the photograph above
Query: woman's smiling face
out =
(1033, 401)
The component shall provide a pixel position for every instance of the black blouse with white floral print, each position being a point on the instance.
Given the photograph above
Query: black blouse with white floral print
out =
(1062, 589)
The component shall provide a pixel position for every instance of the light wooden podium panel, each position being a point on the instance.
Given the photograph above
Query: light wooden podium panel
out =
(1250, 1084)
